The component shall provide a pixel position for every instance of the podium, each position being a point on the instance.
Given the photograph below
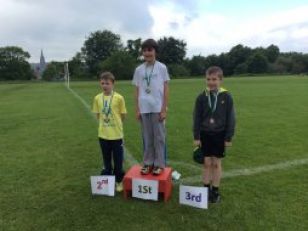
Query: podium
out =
(164, 181)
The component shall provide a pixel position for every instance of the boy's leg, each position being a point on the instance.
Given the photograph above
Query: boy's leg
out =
(147, 134)
(117, 149)
(218, 151)
(106, 152)
(207, 173)
(217, 171)
(216, 166)
(159, 136)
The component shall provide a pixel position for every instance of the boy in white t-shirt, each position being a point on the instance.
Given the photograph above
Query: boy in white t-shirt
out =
(151, 96)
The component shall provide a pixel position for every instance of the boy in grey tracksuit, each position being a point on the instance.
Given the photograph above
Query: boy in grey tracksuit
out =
(213, 128)
(151, 97)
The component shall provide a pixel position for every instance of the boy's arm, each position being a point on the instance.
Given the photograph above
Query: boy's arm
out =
(197, 114)
(163, 111)
(95, 108)
(123, 110)
(230, 126)
(138, 116)
(136, 83)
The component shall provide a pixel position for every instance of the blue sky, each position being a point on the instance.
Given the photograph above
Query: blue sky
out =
(208, 26)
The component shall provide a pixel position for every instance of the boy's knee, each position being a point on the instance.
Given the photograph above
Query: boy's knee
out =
(216, 165)
(207, 163)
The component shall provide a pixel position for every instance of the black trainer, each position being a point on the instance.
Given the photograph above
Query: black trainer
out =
(215, 197)
(105, 172)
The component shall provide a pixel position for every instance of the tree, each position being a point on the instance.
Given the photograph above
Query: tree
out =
(14, 64)
(98, 47)
(178, 70)
(272, 53)
(196, 65)
(121, 64)
(133, 47)
(282, 65)
(237, 55)
(78, 67)
(54, 71)
(257, 63)
(211, 60)
(240, 69)
(171, 50)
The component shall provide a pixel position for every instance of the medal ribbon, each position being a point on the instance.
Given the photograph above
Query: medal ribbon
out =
(148, 77)
(105, 105)
(214, 106)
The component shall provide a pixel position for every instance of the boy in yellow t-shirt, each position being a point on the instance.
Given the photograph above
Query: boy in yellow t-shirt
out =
(109, 107)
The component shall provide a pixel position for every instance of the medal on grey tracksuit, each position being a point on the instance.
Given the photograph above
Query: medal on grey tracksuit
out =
(107, 108)
(148, 78)
(212, 106)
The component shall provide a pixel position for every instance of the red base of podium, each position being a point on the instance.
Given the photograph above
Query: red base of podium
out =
(164, 181)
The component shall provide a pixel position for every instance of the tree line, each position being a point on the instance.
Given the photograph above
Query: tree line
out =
(104, 50)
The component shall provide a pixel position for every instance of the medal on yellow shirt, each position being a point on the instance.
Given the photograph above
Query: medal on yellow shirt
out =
(107, 108)
(106, 120)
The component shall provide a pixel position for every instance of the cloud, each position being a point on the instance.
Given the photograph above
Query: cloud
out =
(60, 27)
(212, 32)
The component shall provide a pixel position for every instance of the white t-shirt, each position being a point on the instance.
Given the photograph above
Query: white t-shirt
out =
(151, 102)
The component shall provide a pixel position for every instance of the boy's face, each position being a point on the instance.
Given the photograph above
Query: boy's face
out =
(213, 81)
(107, 85)
(149, 54)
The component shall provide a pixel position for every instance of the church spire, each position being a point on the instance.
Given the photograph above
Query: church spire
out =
(42, 63)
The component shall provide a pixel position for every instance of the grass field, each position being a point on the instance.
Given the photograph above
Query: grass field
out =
(48, 150)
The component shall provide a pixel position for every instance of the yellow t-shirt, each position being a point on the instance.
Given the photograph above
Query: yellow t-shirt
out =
(110, 122)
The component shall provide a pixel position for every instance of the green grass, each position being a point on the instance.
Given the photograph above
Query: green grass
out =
(48, 150)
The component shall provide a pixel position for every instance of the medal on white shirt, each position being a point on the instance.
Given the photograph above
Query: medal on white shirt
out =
(212, 107)
(107, 108)
(148, 90)
(148, 78)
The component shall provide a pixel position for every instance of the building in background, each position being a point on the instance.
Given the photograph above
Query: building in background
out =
(40, 67)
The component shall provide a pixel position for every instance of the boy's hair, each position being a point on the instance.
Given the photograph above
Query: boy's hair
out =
(215, 70)
(150, 43)
(106, 75)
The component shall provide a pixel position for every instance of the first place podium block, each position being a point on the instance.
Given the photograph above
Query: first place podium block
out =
(164, 181)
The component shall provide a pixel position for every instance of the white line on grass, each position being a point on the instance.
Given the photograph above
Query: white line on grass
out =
(129, 157)
(198, 178)
(184, 164)
(250, 171)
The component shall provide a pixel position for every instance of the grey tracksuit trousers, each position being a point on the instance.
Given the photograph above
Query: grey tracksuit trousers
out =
(154, 136)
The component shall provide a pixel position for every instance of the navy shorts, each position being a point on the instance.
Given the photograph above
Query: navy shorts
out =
(213, 144)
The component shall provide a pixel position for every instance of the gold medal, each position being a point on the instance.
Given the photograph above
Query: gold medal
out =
(106, 120)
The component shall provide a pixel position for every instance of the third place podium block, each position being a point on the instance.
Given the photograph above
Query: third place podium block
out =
(164, 181)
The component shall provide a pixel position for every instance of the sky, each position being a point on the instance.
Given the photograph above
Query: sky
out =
(60, 27)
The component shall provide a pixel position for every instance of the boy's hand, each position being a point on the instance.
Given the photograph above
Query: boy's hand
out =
(138, 115)
(197, 143)
(228, 144)
(162, 116)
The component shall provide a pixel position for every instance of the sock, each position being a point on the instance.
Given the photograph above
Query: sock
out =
(207, 185)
